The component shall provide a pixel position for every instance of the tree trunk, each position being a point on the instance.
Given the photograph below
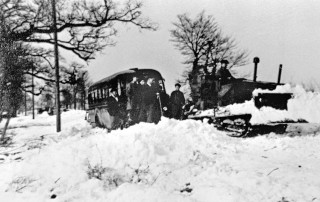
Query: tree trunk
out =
(193, 80)
(74, 98)
(195, 65)
(1, 115)
(5, 128)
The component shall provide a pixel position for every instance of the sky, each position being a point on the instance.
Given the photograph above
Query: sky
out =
(277, 31)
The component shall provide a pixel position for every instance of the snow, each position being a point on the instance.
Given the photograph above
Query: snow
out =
(171, 161)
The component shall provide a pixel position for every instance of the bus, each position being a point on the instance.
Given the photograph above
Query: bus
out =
(97, 112)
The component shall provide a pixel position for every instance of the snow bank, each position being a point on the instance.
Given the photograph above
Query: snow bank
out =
(172, 161)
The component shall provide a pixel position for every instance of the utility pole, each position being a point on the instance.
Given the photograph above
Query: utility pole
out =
(74, 83)
(56, 56)
(32, 84)
(74, 97)
(25, 103)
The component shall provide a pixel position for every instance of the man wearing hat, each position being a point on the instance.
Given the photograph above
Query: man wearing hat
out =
(114, 109)
(149, 110)
(223, 73)
(132, 99)
(177, 101)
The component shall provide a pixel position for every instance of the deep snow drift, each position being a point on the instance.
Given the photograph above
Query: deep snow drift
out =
(172, 161)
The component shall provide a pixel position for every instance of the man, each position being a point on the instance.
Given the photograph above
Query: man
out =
(223, 73)
(165, 101)
(133, 99)
(114, 109)
(141, 113)
(177, 101)
(208, 88)
(150, 103)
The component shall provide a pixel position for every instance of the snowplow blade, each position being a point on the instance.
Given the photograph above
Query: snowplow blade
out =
(274, 100)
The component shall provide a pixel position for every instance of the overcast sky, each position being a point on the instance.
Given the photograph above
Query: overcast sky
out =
(277, 31)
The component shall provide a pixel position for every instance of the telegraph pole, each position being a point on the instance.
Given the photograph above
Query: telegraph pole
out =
(56, 56)
(32, 80)
(25, 103)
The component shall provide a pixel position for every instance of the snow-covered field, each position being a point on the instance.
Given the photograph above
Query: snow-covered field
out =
(172, 161)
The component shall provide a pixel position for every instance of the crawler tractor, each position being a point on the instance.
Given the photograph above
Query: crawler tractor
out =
(238, 91)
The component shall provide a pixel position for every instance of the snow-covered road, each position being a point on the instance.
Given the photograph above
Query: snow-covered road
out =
(172, 161)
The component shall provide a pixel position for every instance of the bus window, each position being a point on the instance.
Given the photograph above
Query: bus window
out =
(94, 97)
(106, 92)
(90, 98)
(102, 93)
(119, 87)
(98, 95)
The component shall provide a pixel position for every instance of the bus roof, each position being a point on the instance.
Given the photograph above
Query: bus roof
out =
(126, 73)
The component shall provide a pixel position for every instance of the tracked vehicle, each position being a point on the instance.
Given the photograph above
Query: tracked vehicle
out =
(238, 91)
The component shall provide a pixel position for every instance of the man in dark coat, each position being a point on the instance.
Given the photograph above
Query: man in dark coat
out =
(165, 102)
(177, 101)
(113, 102)
(150, 110)
(133, 99)
(209, 88)
(113, 107)
(223, 73)
(142, 114)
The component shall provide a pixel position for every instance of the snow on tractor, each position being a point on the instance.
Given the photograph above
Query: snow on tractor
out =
(239, 125)
(239, 90)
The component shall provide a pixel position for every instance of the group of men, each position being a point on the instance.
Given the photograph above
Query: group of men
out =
(145, 100)
(212, 82)
(140, 103)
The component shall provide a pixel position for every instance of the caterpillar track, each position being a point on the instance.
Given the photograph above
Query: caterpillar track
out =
(233, 125)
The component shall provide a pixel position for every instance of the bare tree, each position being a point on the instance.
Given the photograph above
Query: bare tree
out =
(202, 42)
(78, 78)
(86, 26)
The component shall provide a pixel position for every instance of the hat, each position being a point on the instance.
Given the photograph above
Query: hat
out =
(225, 61)
(178, 84)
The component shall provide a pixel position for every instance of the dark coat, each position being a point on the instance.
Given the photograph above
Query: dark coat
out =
(208, 87)
(177, 98)
(140, 94)
(132, 95)
(224, 75)
(113, 106)
(150, 95)
(177, 101)
(149, 108)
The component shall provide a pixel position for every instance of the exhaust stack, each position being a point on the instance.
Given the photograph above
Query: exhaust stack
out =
(279, 74)
(256, 60)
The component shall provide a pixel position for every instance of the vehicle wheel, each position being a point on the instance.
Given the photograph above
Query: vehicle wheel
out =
(234, 128)
(97, 121)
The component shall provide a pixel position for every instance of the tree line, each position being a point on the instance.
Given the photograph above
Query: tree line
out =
(86, 27)
(27, 41)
